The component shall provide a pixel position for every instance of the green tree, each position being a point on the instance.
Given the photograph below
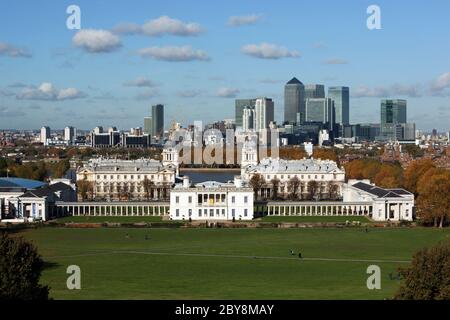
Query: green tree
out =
(428, 276)
(20, 270)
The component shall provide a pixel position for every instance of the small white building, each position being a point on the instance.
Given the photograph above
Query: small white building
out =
(211, 200)
(387, 204)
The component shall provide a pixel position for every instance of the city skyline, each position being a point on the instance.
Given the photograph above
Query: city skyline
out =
(197, 65)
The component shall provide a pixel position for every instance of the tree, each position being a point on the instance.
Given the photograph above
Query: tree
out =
(333, 190)
(313, 188)
(275, 185)
(147, 185)
(61, 168)
(20, 270)
(82, 186)
(256, 182)
(414, 172)
(389, 176)
(293, 185)
(433, 202)
(428, 276)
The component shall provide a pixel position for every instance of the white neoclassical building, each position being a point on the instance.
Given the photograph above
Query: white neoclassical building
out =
(387, 204)
(117, 179)
(211, 200)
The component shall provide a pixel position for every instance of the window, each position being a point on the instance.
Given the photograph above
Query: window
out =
(245, 212)
(233, 211)
(211, 212)
(177, 199)
(232, 199)
(217, 212)
(199, 212)
(223, 212)
(245, 199)
(104, 177)
(131, 177)
(190, 212)
(98, 176)
(190, 199)
(177, 212)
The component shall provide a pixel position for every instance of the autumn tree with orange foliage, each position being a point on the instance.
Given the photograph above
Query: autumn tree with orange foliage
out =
(414, 172)
(325, 154)
(433, 202)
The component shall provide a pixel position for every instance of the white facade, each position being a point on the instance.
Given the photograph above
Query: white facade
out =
(69, 134)
(45, 135)
(387, 204)
(115, 179)
(264, 111)
(211, 200)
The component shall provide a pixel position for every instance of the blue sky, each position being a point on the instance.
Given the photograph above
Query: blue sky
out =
(191, 57)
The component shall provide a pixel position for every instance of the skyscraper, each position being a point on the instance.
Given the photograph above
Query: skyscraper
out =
(45, 134)
(294, 101)
(69, 134)
(320, 110)
(158, 120)
(148, 125)
(264, 111)
(249, 119)
(239, 105)
(341, 97)
(393, 112)
(314, 91)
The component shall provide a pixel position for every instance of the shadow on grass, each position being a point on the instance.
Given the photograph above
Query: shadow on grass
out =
(50, 265)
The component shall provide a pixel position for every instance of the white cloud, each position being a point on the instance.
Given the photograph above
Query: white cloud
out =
(268, 51)
(236, 21)
(387, 91)
(46, 91)
(140, 82)
(173, 54)
(13, 51)
(96, 41)
(163, 25)
(228, 92)
(439, 85)
(166, 25)
(335, 61)
(127, 28)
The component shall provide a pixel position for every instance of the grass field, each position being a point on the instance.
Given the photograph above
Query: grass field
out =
(226, 263)
(308, 219)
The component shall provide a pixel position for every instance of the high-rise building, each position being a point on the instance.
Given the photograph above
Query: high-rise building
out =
(45, 135)
(393, 112)
(294, 101)
(264, 111)
(69, 134)
(239, 105)
(158, 120)
(320, 110)
(314, 91)
(249, 119)
(148, 125)
(341, 97)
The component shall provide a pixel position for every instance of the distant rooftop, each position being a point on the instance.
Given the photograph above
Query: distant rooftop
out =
(271, 165)
(20, 183)
(380, 192)
(294, 80)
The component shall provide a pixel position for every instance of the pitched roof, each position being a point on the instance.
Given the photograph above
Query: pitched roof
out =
(377, 191)
(294, 80)
(59, 186)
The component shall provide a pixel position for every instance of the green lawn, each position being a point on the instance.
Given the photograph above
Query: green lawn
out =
(112, 219)
(308, 219)
(221, 263)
